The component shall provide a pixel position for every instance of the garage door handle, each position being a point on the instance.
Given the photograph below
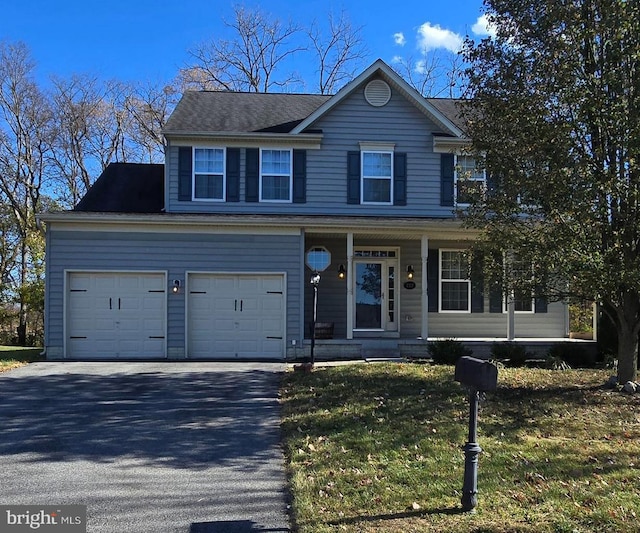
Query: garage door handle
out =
(110, 303)
(235, 305)
(274, 337)
(118, 303)
(241, 305)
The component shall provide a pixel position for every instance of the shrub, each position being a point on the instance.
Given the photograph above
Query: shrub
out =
(447, 352)
(573, 354)
(510, 353)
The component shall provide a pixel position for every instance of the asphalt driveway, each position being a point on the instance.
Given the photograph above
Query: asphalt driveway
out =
(147, 447)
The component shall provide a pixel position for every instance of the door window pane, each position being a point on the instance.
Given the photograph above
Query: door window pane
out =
(368, 295)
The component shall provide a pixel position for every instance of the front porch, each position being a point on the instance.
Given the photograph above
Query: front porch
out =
(408, 349)
(388, 291)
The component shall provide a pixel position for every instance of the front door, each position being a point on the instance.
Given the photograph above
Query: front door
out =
(375, 294)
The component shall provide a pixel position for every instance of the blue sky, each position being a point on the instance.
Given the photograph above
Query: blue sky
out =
(148, 40)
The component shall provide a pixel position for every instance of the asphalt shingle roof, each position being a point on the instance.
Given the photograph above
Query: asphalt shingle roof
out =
(126, 188)
(219, 111)
(222, 111)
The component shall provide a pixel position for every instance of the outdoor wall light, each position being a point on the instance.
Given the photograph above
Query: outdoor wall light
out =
(410, 272)
(341, 272)
(175, 288)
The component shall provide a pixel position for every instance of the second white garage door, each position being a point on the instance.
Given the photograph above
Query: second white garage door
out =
(236, 316)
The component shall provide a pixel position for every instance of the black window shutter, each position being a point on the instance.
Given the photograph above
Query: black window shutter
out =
(399, 178)
(233, 174)
(433, 282)
(299, 176)
(446, 179)
(477, 284)
(252, 175)
(353, 178)
(541, 304)
(185, 171)
(495, 298)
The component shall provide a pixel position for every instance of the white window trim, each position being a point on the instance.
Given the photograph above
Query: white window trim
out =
(441, 281)
(505, 306)
(455, 181)
(363, 177)
(193, 173)
(290, 200)
(505, 298)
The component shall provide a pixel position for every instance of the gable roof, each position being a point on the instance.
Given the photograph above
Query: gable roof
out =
(126, 188)
(222, 111)
(379, 67)
(227, 112)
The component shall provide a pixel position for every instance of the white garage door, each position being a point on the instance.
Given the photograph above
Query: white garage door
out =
(116, 315)
(236, 316)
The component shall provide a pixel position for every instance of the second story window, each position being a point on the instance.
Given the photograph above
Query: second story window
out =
(377, 177)
(470, 181)
(208, 174)
(275, 175)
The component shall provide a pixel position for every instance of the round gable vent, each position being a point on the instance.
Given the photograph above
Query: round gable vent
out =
(377, 93)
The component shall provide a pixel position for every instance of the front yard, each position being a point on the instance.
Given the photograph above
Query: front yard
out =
(13, 357)
(377, 447)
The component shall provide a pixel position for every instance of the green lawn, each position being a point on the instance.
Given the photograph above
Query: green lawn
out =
(377, 447)
(13, 357)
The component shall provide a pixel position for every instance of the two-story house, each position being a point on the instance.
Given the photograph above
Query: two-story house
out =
(211, 255)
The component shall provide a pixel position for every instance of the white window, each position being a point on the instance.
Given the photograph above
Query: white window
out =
(377, 177)
(470, 181)
(455, 282)
(208, 174)
(523, 299)
(276, 178)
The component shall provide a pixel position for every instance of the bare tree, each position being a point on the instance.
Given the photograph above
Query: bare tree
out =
(339, 54)
(25, 146)
(435, 74)
(93, 128)
(251, 60)
(149, 107)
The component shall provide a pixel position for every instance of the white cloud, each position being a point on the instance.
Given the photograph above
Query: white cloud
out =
(483, 27)
(399, 38)
(431, 37)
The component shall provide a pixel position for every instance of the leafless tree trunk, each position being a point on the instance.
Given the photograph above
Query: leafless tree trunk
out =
(436, 74)
(149, 107)
(339, 54)
(25, 146)
(250, 61)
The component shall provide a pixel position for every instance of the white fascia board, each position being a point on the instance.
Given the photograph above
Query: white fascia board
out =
(448, 145)
(289, 225)
(247, 140)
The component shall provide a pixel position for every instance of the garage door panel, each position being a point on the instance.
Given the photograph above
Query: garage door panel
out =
(231, 325)
(117, 314)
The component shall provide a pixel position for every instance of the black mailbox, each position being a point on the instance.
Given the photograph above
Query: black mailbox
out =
(476, 373)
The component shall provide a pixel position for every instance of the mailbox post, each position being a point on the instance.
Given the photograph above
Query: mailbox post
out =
(479, 376)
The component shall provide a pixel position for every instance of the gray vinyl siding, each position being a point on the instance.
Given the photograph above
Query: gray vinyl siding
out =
(172, 253)
(352, 121)
(551, 324)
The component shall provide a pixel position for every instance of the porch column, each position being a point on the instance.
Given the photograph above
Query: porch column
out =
(349, 285)
(424, 303)
(511, 315)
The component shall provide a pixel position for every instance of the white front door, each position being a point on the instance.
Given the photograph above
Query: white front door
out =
(375, 294)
